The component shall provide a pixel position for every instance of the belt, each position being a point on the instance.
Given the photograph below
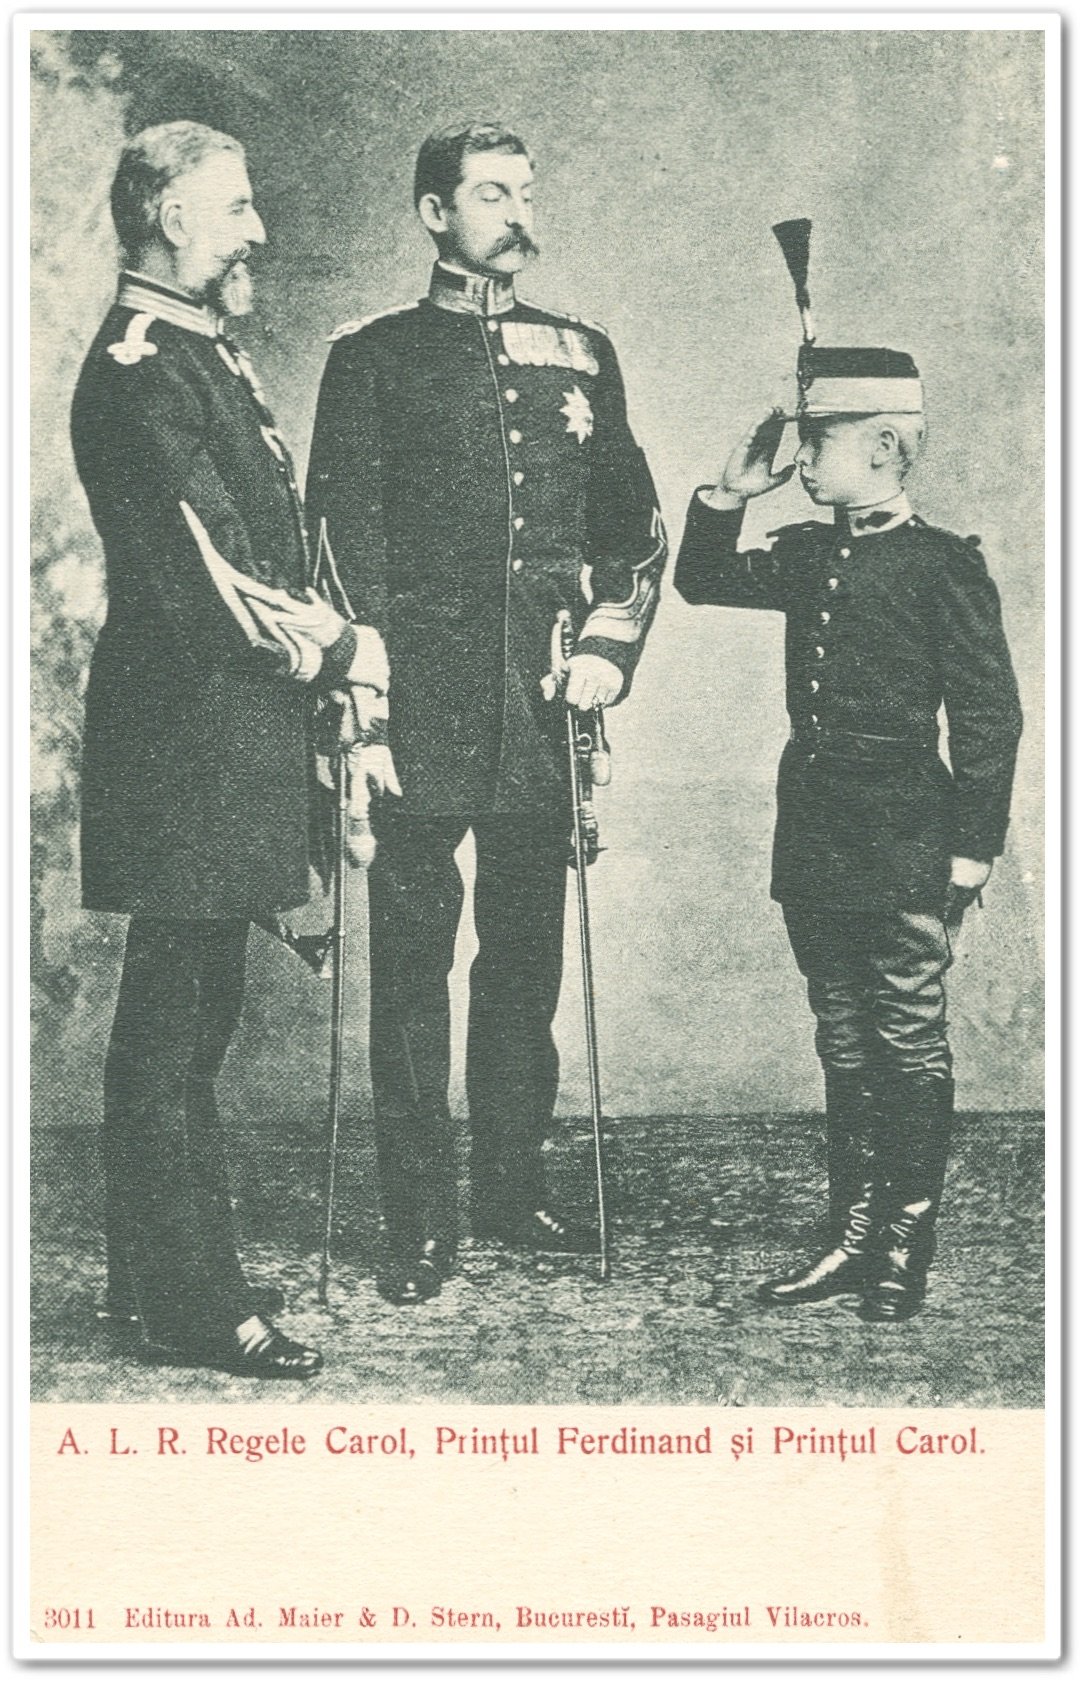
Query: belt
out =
(864, 746)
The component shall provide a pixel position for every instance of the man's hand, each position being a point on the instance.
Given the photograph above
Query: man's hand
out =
(970, 874)
(967, 879)
(592, 682)
(370, 662)
(371, 768)
(370, 771)
(360, 716)
(749, 471)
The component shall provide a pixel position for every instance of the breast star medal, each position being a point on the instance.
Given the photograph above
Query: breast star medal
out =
(579, 416)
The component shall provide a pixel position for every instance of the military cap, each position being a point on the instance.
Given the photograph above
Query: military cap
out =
(839, 379)
(857, 380)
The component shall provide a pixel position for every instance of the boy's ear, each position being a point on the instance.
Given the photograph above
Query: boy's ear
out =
(886, 445)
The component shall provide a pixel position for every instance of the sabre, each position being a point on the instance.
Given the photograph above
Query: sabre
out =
(338, 936)
(589, 765)
(347, 805)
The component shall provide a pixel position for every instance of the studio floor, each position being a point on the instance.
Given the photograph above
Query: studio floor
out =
(703, 1208)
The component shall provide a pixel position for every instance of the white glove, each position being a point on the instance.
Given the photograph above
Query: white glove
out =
(362, 713)
(370, 662)
(372, 772)
(592, 682)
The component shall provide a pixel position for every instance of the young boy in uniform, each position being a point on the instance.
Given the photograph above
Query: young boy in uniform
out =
(879, 848)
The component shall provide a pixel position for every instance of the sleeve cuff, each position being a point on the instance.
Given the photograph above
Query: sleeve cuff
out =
(621, 655)
(712, 518)
(967, 845)
(336, 662)
(730, 504)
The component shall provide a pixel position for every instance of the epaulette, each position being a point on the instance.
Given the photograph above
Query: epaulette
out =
(135, 345)
(566, 316)
(970, 546)
(346, 328)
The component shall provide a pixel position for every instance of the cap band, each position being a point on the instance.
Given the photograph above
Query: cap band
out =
(827, 395)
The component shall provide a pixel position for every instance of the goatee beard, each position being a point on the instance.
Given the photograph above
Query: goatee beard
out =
(233, 292)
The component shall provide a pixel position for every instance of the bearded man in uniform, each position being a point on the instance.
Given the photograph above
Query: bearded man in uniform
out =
(197, 740)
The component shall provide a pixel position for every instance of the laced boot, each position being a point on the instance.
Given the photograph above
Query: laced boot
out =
(843, 1264)
(923, 1105)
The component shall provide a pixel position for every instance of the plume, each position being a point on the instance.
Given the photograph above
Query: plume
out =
(794, 238)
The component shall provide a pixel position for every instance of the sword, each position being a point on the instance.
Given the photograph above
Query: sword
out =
(589, 764)
(338, 942)
(352, 843)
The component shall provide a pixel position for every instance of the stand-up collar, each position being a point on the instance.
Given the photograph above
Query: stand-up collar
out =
(141, 292)
(876, 517)
(470, 295)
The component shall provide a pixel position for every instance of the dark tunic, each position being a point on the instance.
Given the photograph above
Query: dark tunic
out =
(467, 469)
(881, 630)
(195, 765)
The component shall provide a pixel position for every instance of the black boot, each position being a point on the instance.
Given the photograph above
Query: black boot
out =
(919, 1116)
(852, 1132)
(843, 1265)
(510, 1202)
(419, 1194)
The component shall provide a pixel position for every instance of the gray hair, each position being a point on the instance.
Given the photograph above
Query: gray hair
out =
(150, 161)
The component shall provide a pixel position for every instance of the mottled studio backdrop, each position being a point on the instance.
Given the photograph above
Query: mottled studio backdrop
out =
(663, 159)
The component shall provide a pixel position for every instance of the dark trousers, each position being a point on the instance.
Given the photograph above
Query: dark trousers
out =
(416, 896)
(169, 1232)
(876, 986)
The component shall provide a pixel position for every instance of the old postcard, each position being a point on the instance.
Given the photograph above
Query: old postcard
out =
(538, 537)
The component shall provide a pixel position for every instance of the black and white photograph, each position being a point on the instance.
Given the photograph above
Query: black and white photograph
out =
(537, 856)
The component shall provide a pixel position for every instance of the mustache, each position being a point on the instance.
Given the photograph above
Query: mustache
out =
(517, 240)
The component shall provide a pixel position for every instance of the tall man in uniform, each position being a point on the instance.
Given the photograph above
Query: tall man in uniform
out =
(197, 742)
(879, 846)
(472, 474)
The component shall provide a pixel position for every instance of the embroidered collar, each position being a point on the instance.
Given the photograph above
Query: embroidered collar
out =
(877, 517)
(151, 297)
(470, 295)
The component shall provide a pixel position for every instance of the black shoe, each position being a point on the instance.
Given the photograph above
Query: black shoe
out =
(414, 1280)
(268, 1355)
(542, 1230)
(275, 1357)
(266, 1301)
(825, 1277)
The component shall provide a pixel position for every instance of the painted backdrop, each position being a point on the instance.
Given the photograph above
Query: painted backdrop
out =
(663, 160)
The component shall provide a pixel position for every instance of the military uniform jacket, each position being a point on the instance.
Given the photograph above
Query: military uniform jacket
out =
(881, 629)
(195, 764)
(472, 467)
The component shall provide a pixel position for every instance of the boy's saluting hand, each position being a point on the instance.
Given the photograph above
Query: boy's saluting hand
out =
(749, 471)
